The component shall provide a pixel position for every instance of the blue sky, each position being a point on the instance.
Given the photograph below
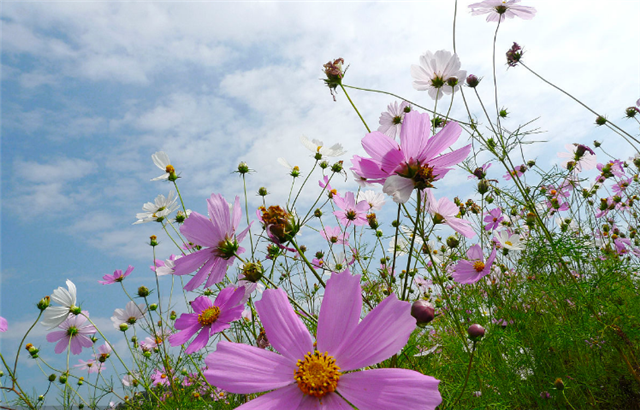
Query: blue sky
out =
(91, 89)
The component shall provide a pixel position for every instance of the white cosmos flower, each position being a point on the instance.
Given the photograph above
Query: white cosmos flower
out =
(129, 315)
(169, 264)
(162, 161)
(435, 70)
(161, 207)
(55, 315)
(404, 242)
(317, 147)
(511, 242)
(375, 199)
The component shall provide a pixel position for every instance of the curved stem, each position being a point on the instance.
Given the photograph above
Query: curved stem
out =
(354, 107)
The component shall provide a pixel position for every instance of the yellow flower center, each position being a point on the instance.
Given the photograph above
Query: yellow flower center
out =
(170, 169)
(508, 243)
(478, 266)
(317, 374)
(209, 315)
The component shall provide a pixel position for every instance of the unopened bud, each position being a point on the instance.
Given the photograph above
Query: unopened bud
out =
(124, 327)
(423, 312)
(153, 240)
(600, 120)
(243, 168)
(559, 384)
(262, 191)
(475, 332)
(173, 315)
(52, 378)
(44, 303)
(453, 242)
(473, 81)
(337, 167)
(143, 291)
(153, 307)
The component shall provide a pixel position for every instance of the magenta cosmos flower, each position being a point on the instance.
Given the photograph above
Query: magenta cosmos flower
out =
(219, 241)
(351, 213)
(75, 333)
(209, 318)
(4, 325)
(474, 269)
(307, 376)
(117, 276)
(501, 9)
(415, 162)
(493, 219)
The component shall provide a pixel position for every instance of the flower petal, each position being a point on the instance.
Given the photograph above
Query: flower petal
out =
(287, 398)
(201, 231)
(380, 335)
(390, 389)
(191, 262)
(399, 188)
(340, 310)
(284, 329)
(244, 369)
(416, 128)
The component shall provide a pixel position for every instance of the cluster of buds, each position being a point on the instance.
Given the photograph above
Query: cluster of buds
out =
(514, 55)
(279, 223)
(33, 351)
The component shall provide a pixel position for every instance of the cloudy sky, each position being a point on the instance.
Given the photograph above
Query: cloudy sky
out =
(91, 89)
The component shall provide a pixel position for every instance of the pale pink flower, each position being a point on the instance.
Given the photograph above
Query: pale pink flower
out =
(335, 235)
(579, 158)
(91, 366)
(374, 199)
(501, 9)
(74, 334)
(4, 325)
(351, 213)
(391, 120)
(117, 276)
(474, 269)
(438, 73)
(446, 211)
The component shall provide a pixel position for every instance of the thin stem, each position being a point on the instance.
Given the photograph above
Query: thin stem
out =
(466, 379)
(495, 82)
(354, 107)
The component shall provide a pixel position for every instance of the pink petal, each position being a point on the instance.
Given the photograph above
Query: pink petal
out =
(191, 262)
(200, 304)
(201, 274)
(451, 158)
(461, 226)
(390, 389)
(414, 134)
(243, 369)
(475, 253)
(340, 310)
(284, 329)
(62, 345)
(287, 398)
(199, 342)
(56, 335)
(441, 141)
(182, 337)
(383, 150)
(199, 230)
(218, 270)
(329, 402)
(399, 188)
(236, 215)
(380, 335)
(219, 214)
(186, 320)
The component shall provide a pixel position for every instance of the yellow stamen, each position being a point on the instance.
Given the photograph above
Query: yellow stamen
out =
(317, 374)
(170, 169)
(209, 315)
(478, 266)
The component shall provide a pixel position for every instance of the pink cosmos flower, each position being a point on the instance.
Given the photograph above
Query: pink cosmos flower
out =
(307, 376)
(117, 276)
(350, 212)
(391, 120)
(162, 268)
(160, 378)
(493, 219)
(474, 269)
(579, 158)
(518, 171)
(621, 186)
(501, 9)
(415, 162)
(335, 235)
(445, 211)
(4, 325)
(324, 183)
(104, 351)
(374, 199)
(209, 318)
(74, 333)
(219, 241)
(91, 366)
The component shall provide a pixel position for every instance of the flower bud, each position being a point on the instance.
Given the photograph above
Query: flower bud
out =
(62, 379)
(317, 213)
(473, 81)
(559, 384)
(143, 291)
(147, 354)
(76, 310)
(124, 327)
(153, 307)
(379, 233)
(40, 397)
(337, 167)
(173, 315)
(423, 312)
(262, 191)
(503, 113)
(631, 112)
(475, 332)
(600, 120)
(453, 242)
(44, 303)
(180, 217)
(153, 240)
(252, 271)
(243, 168)
(52, 378)
(483, 187)
(452, 81)
(324, 165)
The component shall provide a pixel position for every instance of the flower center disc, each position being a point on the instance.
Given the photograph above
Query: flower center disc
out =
(478, 266)
(209, 315)
(317, 374)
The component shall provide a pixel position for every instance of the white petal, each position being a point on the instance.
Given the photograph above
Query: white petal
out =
(161, 160)
(399, 188)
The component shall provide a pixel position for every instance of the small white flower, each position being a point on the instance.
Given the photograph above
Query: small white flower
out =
(404, 242)
(129, 315)
(511, 242)
(317, 147)
(169, 264)
(391, 120)
(375, 199)
(55, 315)
(162, 161)
(436, 71)
(161, 207)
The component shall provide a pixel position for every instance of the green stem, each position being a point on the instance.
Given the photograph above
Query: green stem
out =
(354, 107)
(466, 379)
(306, 261)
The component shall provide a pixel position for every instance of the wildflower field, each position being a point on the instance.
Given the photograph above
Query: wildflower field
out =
(362, 285)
